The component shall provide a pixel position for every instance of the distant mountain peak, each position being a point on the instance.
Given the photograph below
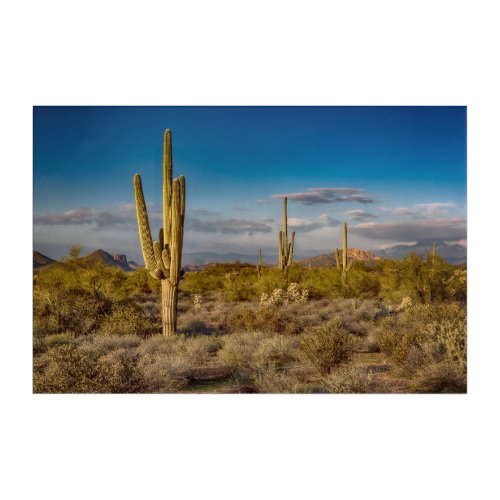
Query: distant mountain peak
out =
(328, 259)
(40, 260)
(117, 260)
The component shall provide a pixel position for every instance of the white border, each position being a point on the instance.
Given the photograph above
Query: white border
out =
(247, 447)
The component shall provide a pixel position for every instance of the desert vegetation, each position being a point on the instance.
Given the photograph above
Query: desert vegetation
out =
(384, 326)
(389, 327)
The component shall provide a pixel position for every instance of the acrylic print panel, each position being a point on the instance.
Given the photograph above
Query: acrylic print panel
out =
(230, 250)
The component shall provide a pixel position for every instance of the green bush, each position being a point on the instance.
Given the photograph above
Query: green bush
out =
(270, 320)
(128, 318)
(67, 369)
(328, 346)
(74, 311)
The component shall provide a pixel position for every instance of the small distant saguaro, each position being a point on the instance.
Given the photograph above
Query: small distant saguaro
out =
(344, 267)
(285, 249)
(259, 265)
(163, 257)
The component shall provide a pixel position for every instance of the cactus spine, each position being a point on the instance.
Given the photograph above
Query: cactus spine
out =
(259, 265)
(343, 266)
(285, 249)
(163, 257)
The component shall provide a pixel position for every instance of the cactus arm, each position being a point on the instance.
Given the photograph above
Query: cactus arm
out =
(167, 184)
(280, 248)
(349, 266)
(182, 201)
(285, 229)
(290, 249)
(337, 258)
(159, 261)
(144, 231)
(160, 238)
(165, 257)
(175, 250)
(344, 253)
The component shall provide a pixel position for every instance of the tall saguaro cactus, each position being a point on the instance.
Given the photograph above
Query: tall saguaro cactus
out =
(344, 267)
(285, 249)
(259, 265)
(163, 257)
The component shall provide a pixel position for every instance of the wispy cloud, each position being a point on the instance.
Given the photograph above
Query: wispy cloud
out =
(431, 209)
(313, 196)
(124, 215)
(227, 226)
(202, 212)
(403, 211)
(305, 225)
(437, 229)
(360, 215)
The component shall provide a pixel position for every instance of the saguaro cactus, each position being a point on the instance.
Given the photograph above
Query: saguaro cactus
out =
(259, 265)
(285, 249)
(344, 267)
(163, 257)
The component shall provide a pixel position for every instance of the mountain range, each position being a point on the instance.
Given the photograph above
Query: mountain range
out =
(452, 253)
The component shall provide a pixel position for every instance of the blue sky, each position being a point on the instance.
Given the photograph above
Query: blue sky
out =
(395, 174)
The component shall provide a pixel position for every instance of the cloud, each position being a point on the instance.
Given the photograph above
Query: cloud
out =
(426, 230)
(437, 208)
(201, 211)
(227, 226)
(360, 215)
(100, 217)
(76, 216)
(404, 211)
(312, 196)
(305, 225)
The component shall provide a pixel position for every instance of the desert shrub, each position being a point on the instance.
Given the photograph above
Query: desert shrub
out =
(293, 294)
(440, 377)
(164, 374)
(67, 369)
(75, 311)
(238, 350)
(271, 320)
(268, 379)
(58, 339)
(202, 282)
(257, 360)
(39, 344)
(277, 349)
(251, 349)
(456, 285)
(322, 283)
(196, 327)
(362, 283)
(328, 346)
(167, 364)
(350, 380)
(430, 343)
(198, 349)
(100, 345)
(127, 318)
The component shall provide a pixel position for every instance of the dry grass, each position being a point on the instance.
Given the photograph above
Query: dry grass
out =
(327, 345)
